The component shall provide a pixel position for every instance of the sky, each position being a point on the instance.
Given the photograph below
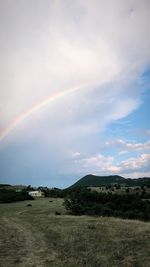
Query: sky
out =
(74, 90)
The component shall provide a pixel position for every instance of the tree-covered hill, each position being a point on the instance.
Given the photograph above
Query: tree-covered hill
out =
(95, 181)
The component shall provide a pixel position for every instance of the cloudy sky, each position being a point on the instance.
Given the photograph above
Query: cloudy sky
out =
(74, 90)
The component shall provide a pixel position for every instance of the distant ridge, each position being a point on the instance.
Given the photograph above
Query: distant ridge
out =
(91, 180)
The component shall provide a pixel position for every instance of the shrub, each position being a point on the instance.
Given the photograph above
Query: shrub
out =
(9, 195)
(57, 213)
(82, 201)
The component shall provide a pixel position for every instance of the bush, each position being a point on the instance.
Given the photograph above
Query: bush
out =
(84, 202)
(55, 192)
(9, 195)
(57, 213)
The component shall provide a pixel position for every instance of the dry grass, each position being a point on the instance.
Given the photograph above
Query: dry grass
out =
(35, 236)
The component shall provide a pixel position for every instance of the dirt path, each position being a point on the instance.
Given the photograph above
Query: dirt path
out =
(19, 246)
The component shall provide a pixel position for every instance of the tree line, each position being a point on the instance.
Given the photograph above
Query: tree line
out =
(83, 201)
(10, 195)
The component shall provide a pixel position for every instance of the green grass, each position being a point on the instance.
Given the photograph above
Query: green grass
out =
(35, 236)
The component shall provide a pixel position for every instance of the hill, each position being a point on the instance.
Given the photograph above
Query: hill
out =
(95, 181)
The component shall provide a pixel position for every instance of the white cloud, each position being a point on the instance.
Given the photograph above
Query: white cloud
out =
(55, 44)
(133, 146)
(137, 174)
(51, 45)
(133, 164)
(76, 154)
(125, 146)
(95, 164)
(106, 165)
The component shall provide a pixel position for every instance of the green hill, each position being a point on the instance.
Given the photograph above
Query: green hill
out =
(95, 181)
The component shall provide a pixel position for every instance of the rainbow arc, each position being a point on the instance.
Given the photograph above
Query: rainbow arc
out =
(37, 107)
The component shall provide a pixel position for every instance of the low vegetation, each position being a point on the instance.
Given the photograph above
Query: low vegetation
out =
(45, 232)
(36, 237)
(83, 201)
(9, 195)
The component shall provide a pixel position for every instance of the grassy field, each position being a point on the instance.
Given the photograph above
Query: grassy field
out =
(35, 236)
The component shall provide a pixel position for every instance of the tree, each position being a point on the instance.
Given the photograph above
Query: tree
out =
(82, 201)
(118, 186)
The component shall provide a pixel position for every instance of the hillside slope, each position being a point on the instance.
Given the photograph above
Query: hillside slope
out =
(95, 181)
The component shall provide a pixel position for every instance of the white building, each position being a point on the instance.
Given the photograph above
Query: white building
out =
(36, 193)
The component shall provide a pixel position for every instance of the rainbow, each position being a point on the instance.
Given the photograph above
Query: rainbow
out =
(36, 107)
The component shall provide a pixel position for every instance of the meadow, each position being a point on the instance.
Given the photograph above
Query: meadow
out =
(35, 236)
